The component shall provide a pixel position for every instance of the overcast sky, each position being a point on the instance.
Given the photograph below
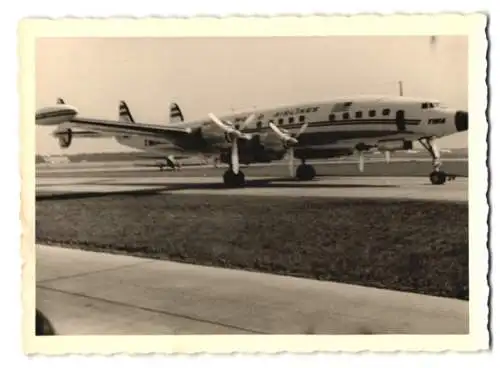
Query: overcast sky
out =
(217, 74)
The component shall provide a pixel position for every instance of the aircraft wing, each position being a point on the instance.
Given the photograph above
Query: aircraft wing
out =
(125, 128)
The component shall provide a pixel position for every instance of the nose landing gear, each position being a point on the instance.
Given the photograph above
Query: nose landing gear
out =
(437, 177)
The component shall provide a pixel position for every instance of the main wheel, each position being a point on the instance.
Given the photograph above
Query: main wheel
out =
(233, 180)
(305, 172)
(437, 177)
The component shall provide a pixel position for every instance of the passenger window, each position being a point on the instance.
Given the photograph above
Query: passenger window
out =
(302, 118)
(424, 105)
(345, 115)
(371, 113)
(359, 114)
(331, 117)
(290, 120)
(386, 112)
(280, 121)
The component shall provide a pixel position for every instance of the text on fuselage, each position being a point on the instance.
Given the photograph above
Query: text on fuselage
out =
(436, 121)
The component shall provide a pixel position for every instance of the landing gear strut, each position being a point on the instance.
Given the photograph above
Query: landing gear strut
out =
(305, 172)
(437, 177)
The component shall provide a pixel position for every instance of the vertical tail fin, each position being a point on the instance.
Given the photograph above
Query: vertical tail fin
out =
(60, 101)
(124, 114)
(175, 114)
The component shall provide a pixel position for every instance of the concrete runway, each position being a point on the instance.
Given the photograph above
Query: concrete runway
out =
(96, 293)
(358, 187)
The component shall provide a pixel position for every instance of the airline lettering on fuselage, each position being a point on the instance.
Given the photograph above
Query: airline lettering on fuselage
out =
(299, 110)
(437, 121)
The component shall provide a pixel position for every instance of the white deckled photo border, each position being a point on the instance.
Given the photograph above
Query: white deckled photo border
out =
(473, 25)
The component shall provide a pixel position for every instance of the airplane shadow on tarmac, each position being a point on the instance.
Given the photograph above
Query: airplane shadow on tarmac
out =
(168, 188)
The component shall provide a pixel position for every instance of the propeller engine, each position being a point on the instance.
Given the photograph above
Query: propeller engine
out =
(289, 142)
(234, 134)
(65, 137)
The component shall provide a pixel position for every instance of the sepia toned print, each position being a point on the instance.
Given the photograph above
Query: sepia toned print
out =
(221, 192)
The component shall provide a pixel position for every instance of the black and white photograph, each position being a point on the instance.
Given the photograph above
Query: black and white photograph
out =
(260, 184)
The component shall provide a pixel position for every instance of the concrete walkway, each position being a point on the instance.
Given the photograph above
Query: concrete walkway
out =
(97, 293)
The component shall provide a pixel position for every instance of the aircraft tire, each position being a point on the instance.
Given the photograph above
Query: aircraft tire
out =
(437, 177)
(233, 180)
(305, 172)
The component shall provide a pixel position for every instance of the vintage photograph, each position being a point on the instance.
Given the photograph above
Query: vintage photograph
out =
(216, 185)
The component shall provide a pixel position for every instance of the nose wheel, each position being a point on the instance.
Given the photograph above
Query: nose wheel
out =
(437, 176)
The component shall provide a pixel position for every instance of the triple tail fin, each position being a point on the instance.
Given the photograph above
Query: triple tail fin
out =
(124, 114)
(176, 115)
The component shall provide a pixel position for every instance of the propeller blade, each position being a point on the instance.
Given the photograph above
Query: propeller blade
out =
(277, 131)
(219, 123)
(247, 121)
(302, 129)
(361, 161)
(284, 137)
(229, 128)
(387, 156)
(235, 159)
(291, 160)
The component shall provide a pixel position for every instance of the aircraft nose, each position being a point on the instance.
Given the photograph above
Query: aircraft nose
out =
(462, 121)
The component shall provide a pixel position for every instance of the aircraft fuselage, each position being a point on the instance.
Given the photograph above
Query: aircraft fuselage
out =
(334, 128)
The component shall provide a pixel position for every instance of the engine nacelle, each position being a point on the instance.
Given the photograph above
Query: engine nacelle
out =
(396, 145)
(252, 152)
(315, 154)
(247, 158)
(65, 137)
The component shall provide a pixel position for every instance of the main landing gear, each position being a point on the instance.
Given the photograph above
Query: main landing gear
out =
(232, 179)
(437, 177)
(305, 172)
